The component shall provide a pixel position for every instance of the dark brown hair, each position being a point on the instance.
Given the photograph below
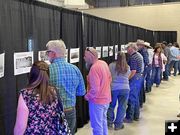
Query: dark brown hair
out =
(121, 63)
(39, 82)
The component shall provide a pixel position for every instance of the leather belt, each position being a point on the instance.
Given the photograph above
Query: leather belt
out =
(69, 109)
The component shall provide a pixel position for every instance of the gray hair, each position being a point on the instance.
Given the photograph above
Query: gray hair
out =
(57, 46)
(133, 45)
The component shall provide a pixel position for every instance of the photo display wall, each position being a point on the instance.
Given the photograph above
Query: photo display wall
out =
(2, 57)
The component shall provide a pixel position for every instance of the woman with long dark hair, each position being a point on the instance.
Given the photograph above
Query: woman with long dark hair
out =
(120, 72)
(38, 110)
(158, 65)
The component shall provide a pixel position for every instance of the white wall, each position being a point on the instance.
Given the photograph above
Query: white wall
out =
(74, 2)
(165, 17)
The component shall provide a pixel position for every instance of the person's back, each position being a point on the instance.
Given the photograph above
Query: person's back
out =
(39, 111)
(67, 78)
(43, 118)
(119, 81)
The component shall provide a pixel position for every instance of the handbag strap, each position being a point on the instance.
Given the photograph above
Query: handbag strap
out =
(59, 100)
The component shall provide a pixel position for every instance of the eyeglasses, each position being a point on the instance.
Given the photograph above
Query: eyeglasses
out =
(48, 51)
(87, 49)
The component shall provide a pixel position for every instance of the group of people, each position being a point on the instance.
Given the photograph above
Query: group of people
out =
(47, 104)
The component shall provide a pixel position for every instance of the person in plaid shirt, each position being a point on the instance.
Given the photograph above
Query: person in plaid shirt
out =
(67, 78)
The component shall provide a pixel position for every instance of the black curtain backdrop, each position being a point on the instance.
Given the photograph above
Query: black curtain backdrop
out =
(167, 36)
(72, 34)
(27, 19)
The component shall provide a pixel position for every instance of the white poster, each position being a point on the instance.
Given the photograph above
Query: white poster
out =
(124, 48)
(105, 51)
(111, 50)
(22, 62)
(66, 55)
(116, 51)
(98, 49)
(42, 56)
(74, 55)
(2, 65)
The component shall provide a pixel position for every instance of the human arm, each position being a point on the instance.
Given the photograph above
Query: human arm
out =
(21, 117)
(94, 83)
(81, 86)
(133, 72)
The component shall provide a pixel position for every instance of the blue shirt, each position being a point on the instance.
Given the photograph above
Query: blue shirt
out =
(144, 53)
(68, 79)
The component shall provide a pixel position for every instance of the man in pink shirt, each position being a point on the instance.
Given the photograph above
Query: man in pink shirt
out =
(98, 91)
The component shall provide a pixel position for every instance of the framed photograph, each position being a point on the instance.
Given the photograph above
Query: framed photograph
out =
(105, 51)
(42, 56)
(74, 55)
(98, 49)
(116, 51)
(2, 57)
(22, 62)
(111, 50)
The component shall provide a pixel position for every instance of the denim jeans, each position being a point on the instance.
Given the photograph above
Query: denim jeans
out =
(132, 111)
(174, 64)
(166, 72)
(156, 75)
(98, 118)
(71, 119)
(179, 66)
(121, 96)
(147, 77)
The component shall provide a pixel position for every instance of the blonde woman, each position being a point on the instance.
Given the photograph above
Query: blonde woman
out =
(120, 72)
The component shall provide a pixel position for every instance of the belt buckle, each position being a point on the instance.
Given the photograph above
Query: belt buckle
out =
(68, 109)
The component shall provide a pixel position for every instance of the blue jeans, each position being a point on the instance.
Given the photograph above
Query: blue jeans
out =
(156, 75)
(179, 66)
(147, 76)
(98, 118)
(132, 111)
(166, 72)
(174, 64)
(122, 97)
(71, 119)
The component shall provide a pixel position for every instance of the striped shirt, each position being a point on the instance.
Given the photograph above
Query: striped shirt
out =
(136, 62)
(68, 79)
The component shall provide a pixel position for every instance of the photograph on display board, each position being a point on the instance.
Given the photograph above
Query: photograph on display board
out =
(74, 55)
(22, 62)
(66, 55)
(116, 51)
(111, 50)
(42, 56)
(98, 49)
(105, 51)
(124, 48)
(2, 65)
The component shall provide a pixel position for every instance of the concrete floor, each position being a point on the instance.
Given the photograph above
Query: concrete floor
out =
(161, 104)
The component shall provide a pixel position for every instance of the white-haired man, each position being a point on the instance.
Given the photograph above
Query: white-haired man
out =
(67, 78)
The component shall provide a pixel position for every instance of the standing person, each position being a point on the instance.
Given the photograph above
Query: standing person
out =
(120, 72)
(99, 91)
(135, 83)
(38, 110)
(149, 72)
(167, 53)
(157, 65)
(67, 78)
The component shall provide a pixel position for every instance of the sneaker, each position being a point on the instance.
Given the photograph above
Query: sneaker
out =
(110, 126)
(157, 85)
(118, 128)
(136, 119)
(127, 120)
(178, 115)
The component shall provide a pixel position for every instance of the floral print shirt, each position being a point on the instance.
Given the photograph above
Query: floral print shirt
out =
(43, 119)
